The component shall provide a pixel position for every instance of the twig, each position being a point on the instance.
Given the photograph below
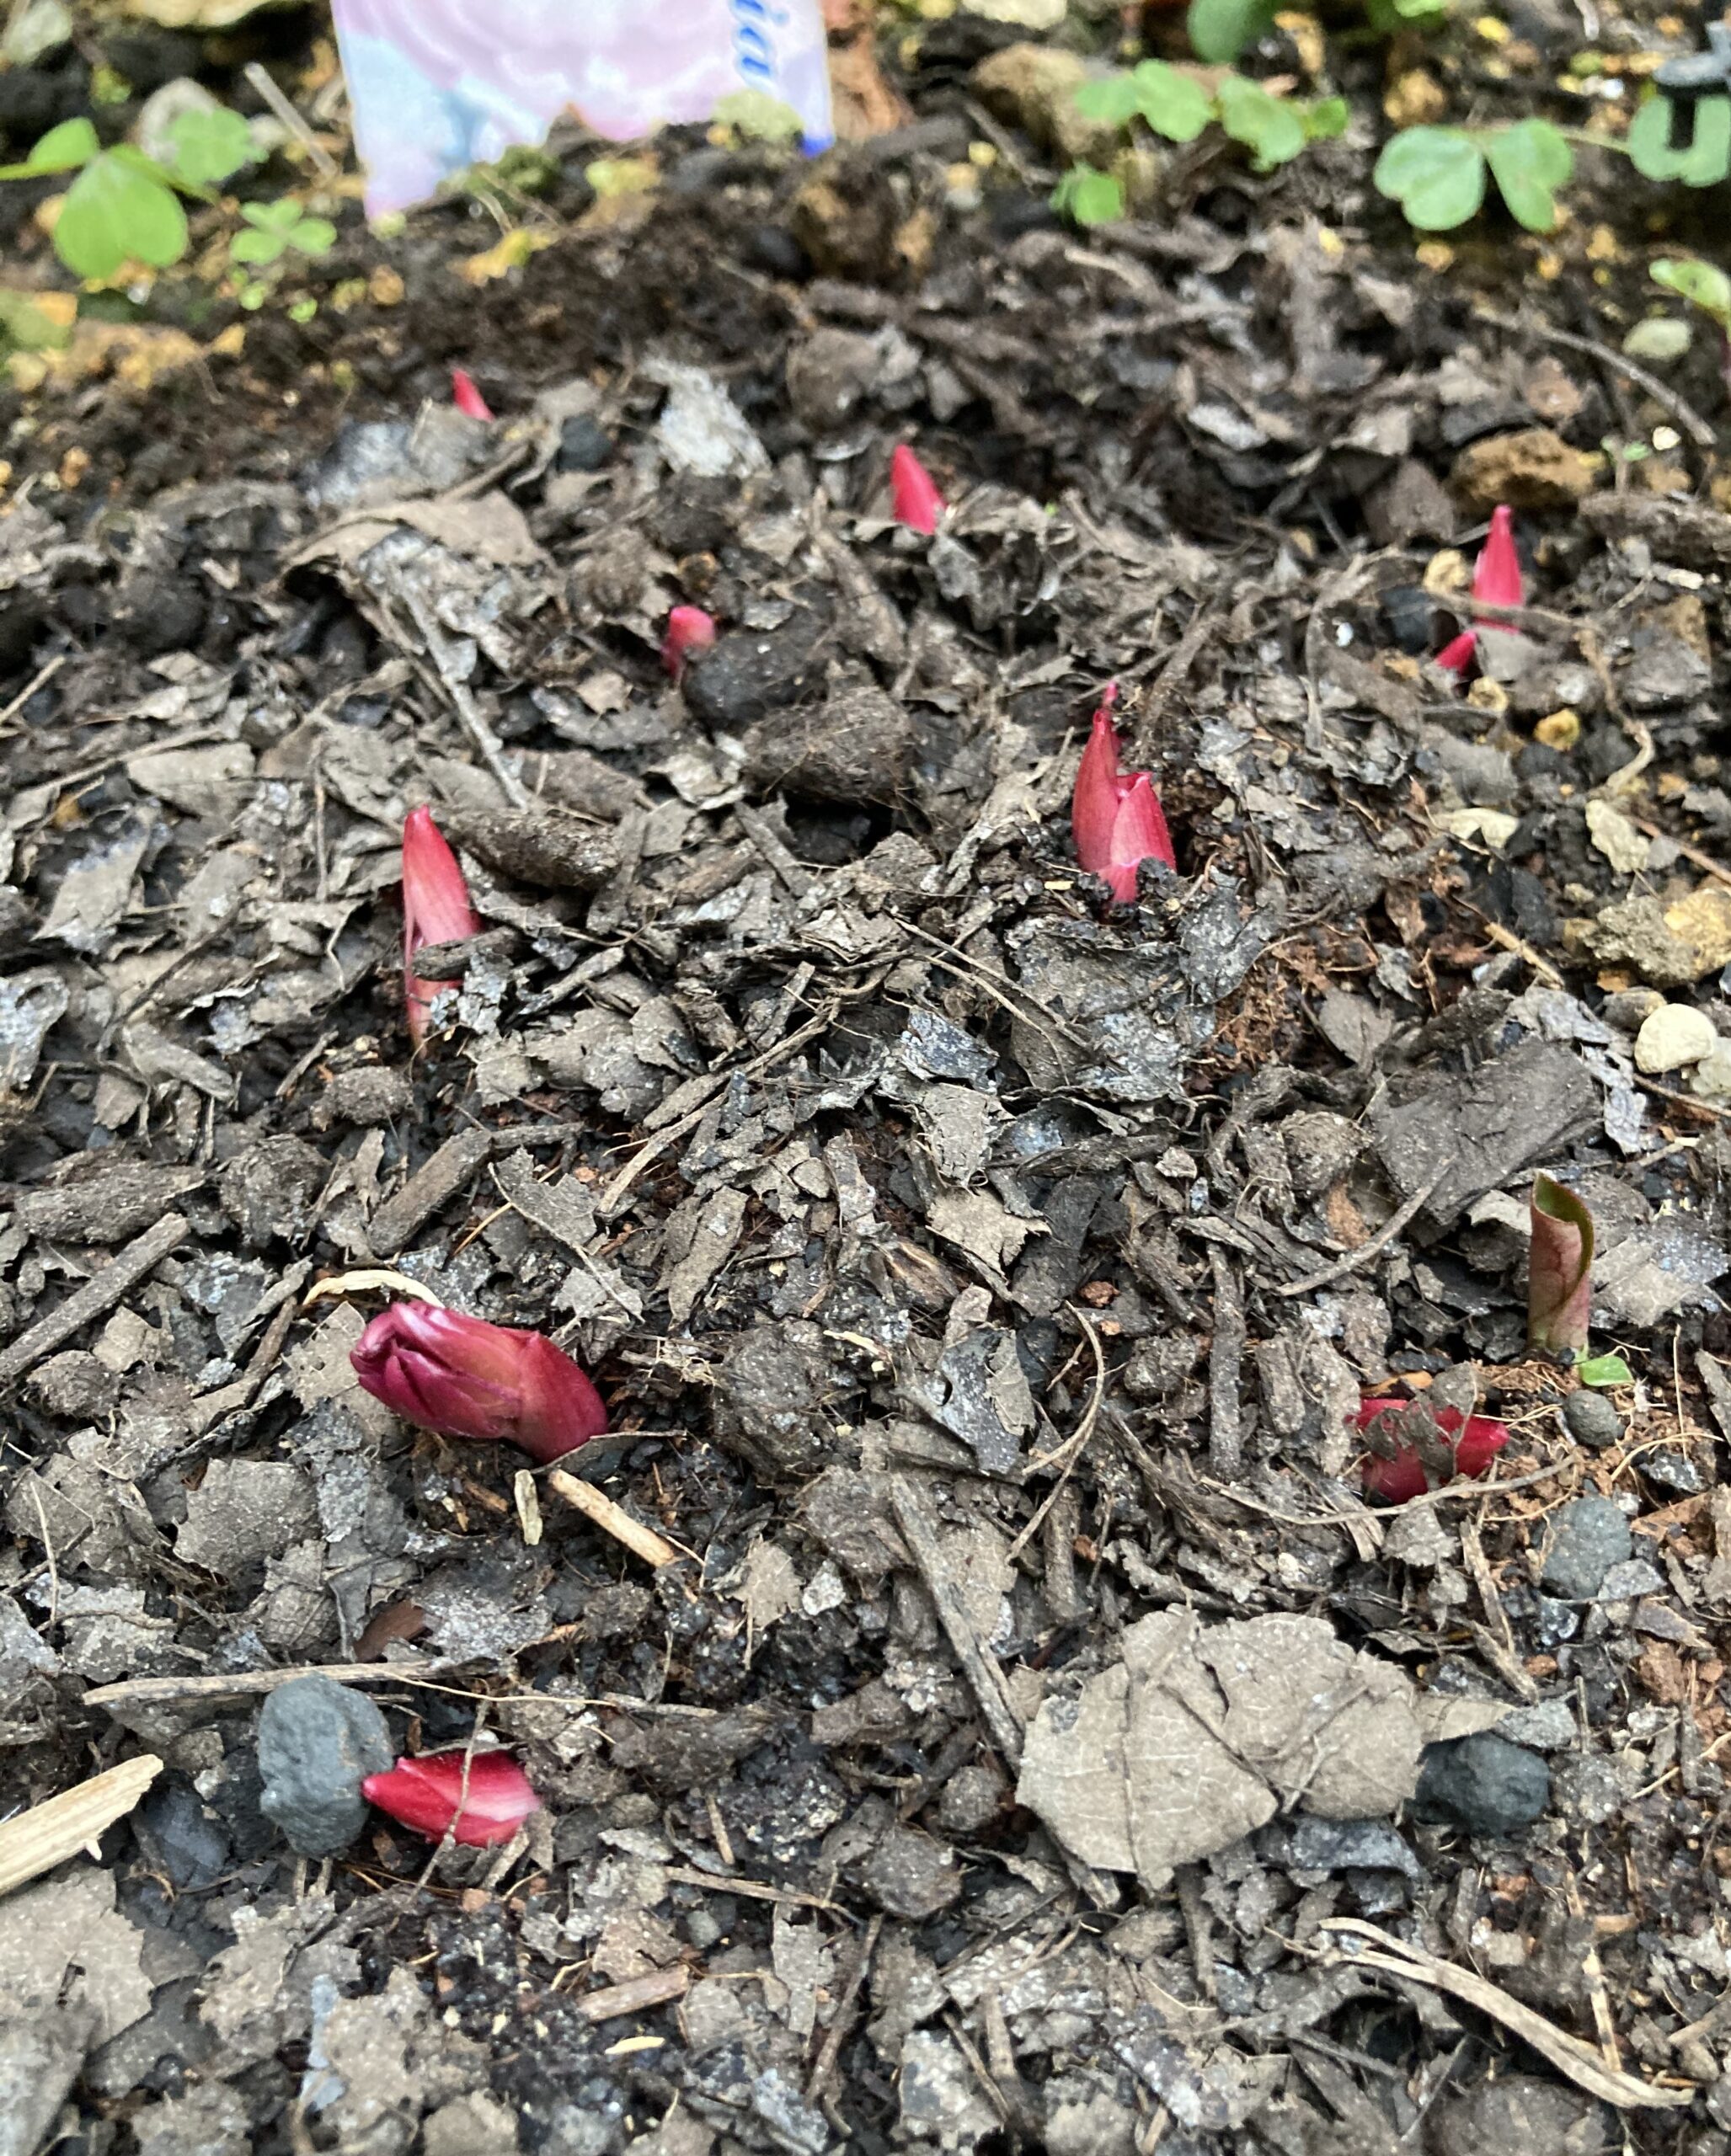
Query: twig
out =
(984, 1679)
(292, 119)
(118, 1278)
(240, 1684)
(754, 1890)
(1568, 2054)
(1354, 1259)
(839, 2022)
(468, 710)
(1225, 1358)
(48, 1834)
(39, 680)
(1667, 399)
(583, 1497)
(660, 1990)
(1073, 1446)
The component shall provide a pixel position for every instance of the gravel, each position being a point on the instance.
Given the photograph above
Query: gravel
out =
(1485, 1784)
(318, 1741)
(1591, 1419)
(1587, 1538)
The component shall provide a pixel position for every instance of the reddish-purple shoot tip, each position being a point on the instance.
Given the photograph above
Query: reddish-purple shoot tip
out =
(1497, 581)
(690, 630)
(436, 909)
(463, 1378)
(1115, 816)
(1474, 1441)
(914, 497)
(478, 1800)
(468, 399)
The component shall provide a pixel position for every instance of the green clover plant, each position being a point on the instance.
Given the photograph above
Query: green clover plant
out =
(1438, 174)
(1176, 107)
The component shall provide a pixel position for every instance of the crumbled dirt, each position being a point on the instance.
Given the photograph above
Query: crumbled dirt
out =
(1033, 1737)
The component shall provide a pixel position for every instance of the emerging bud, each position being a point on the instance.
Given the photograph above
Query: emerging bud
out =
(468, 399)
(436, 909)
(429, 1794)
(463, 1378)
(1497, 581)
(914, 498)
(689, 630)
(1115, 816)
(1395, 1469)
(1559, 1276)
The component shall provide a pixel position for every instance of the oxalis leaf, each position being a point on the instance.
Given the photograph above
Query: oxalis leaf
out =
(1088, 196)
(1704, 164)
(1707, 285)
(73, 142)
(1604, 1369)
(1219, 29)
(1174, 105)
(1435, 174)
(1267, 125)
(113, 214)
(210, 147)
(1528, 160)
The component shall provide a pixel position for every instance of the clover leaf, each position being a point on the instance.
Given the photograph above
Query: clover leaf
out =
(210, 144)
(1088, 196)
(1528, 160)
(1219, 29)
(1174, 104)
(1435, 174)
(1707, 287)
(276, 226)
(1267, 125)
(73, 142)
(119, 209)
(1704, 164)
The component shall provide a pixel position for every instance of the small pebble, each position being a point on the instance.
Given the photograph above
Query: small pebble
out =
(1484, 1783)
(1674, 1035)
(584, 446)
(1549, 1727)
(318, 1743)
(1591, 1419)
(1588, 1538)
(1711, 1078)
(1629, 1008)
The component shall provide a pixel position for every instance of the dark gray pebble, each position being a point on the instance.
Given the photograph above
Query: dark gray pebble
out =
(1484, 1783)
(1590, 1419)
(318, 1741)
(1588, 1538)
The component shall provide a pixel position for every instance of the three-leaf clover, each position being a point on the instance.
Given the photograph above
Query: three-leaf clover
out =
(1437, 174)
(210, 144)
(276, 226)
(1175, 105)
(119, 208)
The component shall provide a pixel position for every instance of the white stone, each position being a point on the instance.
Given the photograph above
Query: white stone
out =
(1673, 1035)
(1026, 14)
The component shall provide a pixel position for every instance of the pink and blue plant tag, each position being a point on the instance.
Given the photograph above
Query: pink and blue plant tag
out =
(437, 86)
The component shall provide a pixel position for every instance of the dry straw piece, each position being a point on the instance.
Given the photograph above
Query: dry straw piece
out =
(48, 1834)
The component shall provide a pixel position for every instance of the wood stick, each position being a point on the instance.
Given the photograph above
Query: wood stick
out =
(660, 1990)
(101, 1292)
(583, 1497)
(48, 1834)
